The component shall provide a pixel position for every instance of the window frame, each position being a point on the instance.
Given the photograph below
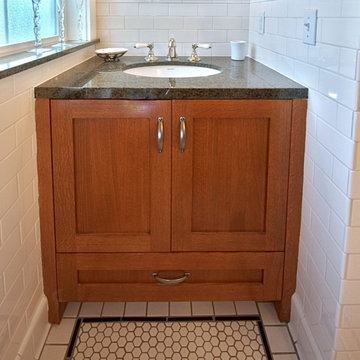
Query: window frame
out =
(70, 28)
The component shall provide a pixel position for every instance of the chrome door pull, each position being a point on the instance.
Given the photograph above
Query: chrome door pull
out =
(160, 135)
(182, 134)
(171, 281)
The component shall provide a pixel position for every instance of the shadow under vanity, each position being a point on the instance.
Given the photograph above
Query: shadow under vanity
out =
(158, 189)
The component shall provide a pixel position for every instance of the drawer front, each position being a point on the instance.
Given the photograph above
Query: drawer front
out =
(129, 277)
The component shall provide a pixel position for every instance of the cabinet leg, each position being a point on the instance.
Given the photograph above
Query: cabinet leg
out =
(56, 311)
(283, 308)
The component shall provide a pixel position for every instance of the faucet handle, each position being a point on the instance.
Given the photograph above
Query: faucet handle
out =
(194, 57)
(150, 56)
(202, 46)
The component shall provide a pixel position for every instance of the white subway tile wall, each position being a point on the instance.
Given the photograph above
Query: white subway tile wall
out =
(325, 314)
(123, 23)
(20, 259)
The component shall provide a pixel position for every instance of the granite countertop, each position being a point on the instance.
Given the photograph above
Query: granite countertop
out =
(96, 79)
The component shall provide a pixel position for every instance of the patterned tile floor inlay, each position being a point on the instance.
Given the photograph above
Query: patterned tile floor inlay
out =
(175, 339)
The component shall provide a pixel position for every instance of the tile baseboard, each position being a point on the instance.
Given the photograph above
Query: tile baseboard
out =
(40, 326)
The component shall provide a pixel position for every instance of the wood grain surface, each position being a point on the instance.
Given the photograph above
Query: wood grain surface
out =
(293, 211)
(111, 185)
(229, 187)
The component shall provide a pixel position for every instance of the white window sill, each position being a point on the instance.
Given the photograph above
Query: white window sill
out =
(20, 61)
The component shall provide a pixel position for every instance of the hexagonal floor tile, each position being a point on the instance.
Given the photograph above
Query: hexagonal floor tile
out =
(174, 339)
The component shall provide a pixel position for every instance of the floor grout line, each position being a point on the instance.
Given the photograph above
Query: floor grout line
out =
(293, 341)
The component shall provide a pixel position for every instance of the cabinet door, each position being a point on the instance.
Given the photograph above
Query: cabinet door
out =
(229, 186)
(111, 183)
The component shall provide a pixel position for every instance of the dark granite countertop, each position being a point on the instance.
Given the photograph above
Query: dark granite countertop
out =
(96, 79)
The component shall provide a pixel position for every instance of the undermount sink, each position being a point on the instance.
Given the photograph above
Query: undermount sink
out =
(173, 71)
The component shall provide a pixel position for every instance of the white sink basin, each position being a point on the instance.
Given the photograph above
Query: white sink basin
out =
(172, 71)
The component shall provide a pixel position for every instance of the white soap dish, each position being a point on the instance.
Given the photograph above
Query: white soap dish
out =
(111, 54)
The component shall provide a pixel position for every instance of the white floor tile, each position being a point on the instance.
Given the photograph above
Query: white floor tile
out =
(72, 310)
(224, 308)
(246, 308)
(135, 309)
(53, 352)
(285, 357)
(158, 309)
(91, 309)
(268, 313)
(180, 308)
(279, 339)
(113, 309)
(60, 334)
(202, 308)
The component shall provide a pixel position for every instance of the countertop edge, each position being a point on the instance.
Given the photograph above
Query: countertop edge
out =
(169, 94)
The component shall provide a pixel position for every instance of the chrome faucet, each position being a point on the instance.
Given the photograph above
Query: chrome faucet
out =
(172, 50)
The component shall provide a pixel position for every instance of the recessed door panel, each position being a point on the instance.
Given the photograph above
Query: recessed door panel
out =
(112, 175)
(229, 174)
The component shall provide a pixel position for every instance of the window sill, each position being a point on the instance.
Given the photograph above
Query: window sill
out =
(15, 63)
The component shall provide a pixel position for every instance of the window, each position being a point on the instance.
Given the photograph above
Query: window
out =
(16, 20)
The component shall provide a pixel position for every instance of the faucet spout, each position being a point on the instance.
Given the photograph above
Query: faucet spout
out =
(172, 50)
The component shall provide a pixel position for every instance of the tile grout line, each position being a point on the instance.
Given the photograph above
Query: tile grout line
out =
(80, 307)
(265, 332)
(293, 341)
(283, 353)
(277, 325)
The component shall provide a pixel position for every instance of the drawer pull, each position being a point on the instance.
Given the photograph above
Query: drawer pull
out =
(160, 135)
(182, 134)
(171, 281)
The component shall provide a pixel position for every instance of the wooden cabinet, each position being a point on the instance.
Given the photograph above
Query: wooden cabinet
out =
(132, 188)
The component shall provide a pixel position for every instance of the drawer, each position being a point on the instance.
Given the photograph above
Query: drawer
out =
(129, 276)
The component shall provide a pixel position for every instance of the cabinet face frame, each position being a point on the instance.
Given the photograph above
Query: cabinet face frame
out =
(274, 114)
(64, 114)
